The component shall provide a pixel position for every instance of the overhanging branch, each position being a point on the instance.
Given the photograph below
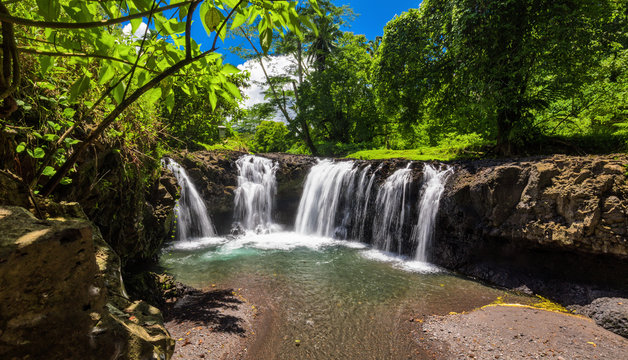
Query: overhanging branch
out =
(4, 17)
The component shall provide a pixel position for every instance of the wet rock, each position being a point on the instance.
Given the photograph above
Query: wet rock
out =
(556, 225)
(609, 313)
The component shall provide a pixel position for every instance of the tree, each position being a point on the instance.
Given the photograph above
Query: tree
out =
(493, 61)
(271, 136)
(309, 50)
(130, 68)
(192, 119)
(339, 100)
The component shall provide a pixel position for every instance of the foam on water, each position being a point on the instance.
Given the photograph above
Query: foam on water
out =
(198, 243)
(250, 244)
(399, 261)
(280, 241)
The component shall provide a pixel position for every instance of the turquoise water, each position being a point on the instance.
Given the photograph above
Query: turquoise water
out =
(342, 300)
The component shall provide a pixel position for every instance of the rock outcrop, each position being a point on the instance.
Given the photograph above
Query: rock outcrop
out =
(62, 296)
(555, 219)
(609, 313)
(215, 176)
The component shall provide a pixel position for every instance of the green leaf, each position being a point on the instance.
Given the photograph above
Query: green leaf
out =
(213, 99)
(65, 181)
(49, 9)
(230, 69)
(153, 95)
(233, 90)
(49, 171)
(79, 87)
(105, 74)
(45, 63)
(70, 141)
(38, 153)
(135, 24)
(69, 112)
(53, 125)
(169, 101)
(118, 93)
(51, 137)
(211, 18)
(266, 39)
(238, 20)
(20, 147)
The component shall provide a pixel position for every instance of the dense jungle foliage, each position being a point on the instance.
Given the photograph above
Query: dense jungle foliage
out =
(449, 78)
(456, 76)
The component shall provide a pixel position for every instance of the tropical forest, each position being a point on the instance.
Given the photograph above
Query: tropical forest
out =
(313, 179)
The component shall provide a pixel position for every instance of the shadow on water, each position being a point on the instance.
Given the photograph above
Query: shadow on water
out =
(208, 308)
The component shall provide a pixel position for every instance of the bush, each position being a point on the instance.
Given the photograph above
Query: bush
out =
(271, 136)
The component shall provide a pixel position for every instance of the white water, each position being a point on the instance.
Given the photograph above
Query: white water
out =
(433, 187)
(255, 194)
(391, 210)
(322, 195)
(192, 219)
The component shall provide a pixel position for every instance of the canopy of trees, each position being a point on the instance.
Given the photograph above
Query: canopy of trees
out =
(71, 59)
(509, 76)
(507, 72)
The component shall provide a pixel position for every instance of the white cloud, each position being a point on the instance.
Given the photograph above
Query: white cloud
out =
(138, 34)
(275, 65)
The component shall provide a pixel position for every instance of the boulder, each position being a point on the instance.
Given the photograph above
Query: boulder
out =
(609, 313)
(62, 295)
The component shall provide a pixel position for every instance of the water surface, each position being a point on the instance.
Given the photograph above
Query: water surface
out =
(340, 299)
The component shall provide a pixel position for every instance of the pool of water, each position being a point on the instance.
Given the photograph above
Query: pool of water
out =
(341, 300)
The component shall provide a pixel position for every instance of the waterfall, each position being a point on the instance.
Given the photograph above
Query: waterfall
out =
(256, 190)
(363, 204)
(433, 187)
(322, 195)
(336, 202)
(192, 219)
(391, 210)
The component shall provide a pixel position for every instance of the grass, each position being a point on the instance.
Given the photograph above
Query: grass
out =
(234, 144)
(422, 154)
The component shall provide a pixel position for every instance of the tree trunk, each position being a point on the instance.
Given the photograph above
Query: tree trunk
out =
(306, 136)
(505, 120)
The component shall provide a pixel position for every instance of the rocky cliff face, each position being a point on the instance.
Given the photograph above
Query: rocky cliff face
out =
(556, 218)
(215, 176)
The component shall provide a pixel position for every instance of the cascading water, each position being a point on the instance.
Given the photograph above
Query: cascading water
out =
(391, 209)
(365, 196)
(337, 197)
(192, 218)
(254, 197)
(321, 196)
(433, 187)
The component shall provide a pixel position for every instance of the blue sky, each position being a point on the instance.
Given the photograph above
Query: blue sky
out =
(373, 16)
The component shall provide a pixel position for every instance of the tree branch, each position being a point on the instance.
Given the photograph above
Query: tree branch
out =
(188, 29)
(141, 49)
(224, 23)
(86, 25)
(113, 115)
(84, 55)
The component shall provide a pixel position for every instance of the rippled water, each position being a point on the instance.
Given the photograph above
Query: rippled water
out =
(341, 299)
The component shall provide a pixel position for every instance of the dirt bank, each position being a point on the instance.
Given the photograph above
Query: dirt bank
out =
(216, 323)
(509, 332)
